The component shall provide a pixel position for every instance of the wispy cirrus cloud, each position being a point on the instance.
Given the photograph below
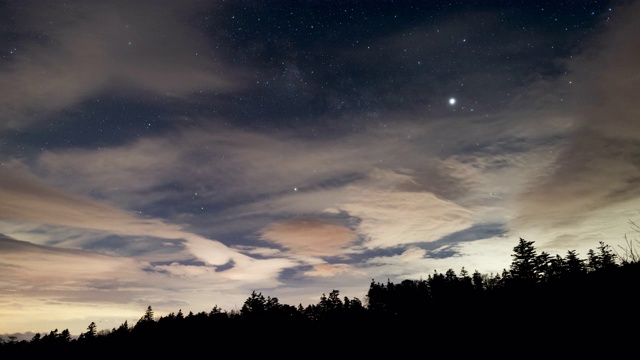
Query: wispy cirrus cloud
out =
(83, 48)
(394, 210)
(592, 191)
(24, 198)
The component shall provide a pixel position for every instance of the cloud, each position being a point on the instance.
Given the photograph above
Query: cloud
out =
(39, 268)
(330, 270)
(43, 287)
(205, 160)
(23, 198)
(595, 175)
(368, 177)
(309, 236)
(411, 263)
(347, 181)
(82, 48)
(392, 215)
(487, 256)
(490, 183)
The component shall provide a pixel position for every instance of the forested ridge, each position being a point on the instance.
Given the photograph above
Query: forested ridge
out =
(539, 295)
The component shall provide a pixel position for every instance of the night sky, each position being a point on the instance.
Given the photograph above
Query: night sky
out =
(182, 154)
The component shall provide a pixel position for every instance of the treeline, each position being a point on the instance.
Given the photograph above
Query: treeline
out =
(537, 294)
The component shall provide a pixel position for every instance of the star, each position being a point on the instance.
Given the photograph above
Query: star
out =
(452, 101)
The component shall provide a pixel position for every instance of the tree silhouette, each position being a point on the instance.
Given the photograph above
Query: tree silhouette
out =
(148, 315)
(573, 264)
(91, 332)
(604, 259)
(525, 262)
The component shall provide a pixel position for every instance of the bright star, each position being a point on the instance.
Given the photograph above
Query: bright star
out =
(452, 101)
